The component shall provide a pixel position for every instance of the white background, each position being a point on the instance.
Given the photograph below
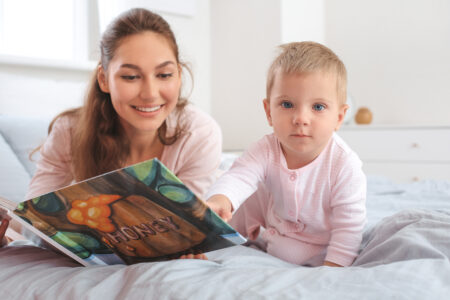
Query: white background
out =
(397, 54)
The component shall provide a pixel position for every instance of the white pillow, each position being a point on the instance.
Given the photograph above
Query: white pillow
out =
(14, 179)
(24, 134)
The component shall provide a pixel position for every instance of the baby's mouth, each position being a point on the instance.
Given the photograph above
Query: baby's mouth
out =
(147, 109)
(301, 135)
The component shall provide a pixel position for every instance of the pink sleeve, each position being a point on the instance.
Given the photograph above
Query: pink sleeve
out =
(242, 180)
(198, 157)
(53, 168)
(348, 216)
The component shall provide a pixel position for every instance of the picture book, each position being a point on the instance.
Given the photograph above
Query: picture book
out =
(140, 213)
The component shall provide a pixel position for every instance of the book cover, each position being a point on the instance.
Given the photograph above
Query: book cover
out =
(140, 213)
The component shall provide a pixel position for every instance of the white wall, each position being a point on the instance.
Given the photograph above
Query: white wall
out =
(244, 34)
(397, 54)
(398, 57)
(194, 40)
(302, 20)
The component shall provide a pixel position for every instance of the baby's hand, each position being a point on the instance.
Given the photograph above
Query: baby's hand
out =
(331, 264)
(221, 205)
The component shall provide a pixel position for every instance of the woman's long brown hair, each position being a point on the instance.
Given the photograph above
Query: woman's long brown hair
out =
(98, 143)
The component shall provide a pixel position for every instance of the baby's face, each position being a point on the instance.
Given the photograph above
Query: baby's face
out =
(304, 111)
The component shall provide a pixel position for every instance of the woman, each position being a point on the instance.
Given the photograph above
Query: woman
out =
(133, 112)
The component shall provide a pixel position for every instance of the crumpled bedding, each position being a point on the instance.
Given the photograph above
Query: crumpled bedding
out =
(404, 255)
(408, 235)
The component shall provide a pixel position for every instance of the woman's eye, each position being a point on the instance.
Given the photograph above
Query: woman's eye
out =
(165, 75)
(130, 77)
(318, 107)
(286, 104)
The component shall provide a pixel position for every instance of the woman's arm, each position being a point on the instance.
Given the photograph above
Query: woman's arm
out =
(196, 155)
(3, 227)
(53, 168)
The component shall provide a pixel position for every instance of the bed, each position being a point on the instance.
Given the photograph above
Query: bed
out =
(404, 255)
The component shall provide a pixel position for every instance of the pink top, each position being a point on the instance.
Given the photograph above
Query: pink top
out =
(194, 157)
(324, 199)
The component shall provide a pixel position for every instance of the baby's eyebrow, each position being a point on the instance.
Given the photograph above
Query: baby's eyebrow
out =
(282, 97)
(323, 100)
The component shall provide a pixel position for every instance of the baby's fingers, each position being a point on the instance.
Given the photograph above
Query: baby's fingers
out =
(225, 215)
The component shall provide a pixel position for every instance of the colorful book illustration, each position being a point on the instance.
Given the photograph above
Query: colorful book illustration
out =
(140, 213)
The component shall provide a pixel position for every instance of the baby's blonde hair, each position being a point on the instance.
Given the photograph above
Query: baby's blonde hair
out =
(307, 57)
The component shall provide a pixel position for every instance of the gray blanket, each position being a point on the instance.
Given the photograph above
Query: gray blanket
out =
(405, 256)
(407, 235)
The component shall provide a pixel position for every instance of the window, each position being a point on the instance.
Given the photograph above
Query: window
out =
(66, 30)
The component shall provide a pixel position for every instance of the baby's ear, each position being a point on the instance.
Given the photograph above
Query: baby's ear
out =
(266, 103)
(341, 116)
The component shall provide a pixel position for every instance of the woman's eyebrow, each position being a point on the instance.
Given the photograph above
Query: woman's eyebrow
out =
(130, 66)
(135, 67)
(162, 65)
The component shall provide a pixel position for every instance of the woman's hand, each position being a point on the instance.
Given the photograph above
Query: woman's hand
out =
(3, 227)
(221, 205)
(194, 256)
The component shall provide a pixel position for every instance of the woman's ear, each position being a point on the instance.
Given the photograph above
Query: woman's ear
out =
(180, 75)
(102, 80)
(266, 103)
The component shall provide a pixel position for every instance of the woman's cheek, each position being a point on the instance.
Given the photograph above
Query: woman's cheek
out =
(172, 90)
(127, 93)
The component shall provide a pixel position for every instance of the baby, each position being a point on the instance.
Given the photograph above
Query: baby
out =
(302, 183)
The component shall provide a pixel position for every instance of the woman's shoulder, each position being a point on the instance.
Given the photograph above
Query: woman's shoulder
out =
(61, 132)
(64, 122)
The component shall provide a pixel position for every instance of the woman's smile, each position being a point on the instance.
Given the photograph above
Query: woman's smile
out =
(147, 108)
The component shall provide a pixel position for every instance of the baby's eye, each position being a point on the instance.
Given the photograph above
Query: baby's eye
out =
(165, 75)
(286, 104)
(130, 77)
(318, 107)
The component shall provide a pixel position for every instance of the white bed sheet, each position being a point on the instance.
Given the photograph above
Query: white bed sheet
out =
(404, 255)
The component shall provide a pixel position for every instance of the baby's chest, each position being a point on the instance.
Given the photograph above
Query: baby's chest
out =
(296, 197)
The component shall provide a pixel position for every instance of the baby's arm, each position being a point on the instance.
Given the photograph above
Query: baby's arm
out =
(240, 181)
(221, 205)
(348, 213)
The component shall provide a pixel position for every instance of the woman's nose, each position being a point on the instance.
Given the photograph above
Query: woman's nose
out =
(149, 89)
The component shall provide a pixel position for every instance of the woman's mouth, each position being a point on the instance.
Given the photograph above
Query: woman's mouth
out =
(147, 109)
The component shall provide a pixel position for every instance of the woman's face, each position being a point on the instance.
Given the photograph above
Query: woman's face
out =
(144, 81)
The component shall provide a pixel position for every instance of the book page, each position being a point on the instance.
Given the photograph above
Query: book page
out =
(19, 229)
(7, 204)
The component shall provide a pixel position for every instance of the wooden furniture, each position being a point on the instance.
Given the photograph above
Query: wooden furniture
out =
(402, 153)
